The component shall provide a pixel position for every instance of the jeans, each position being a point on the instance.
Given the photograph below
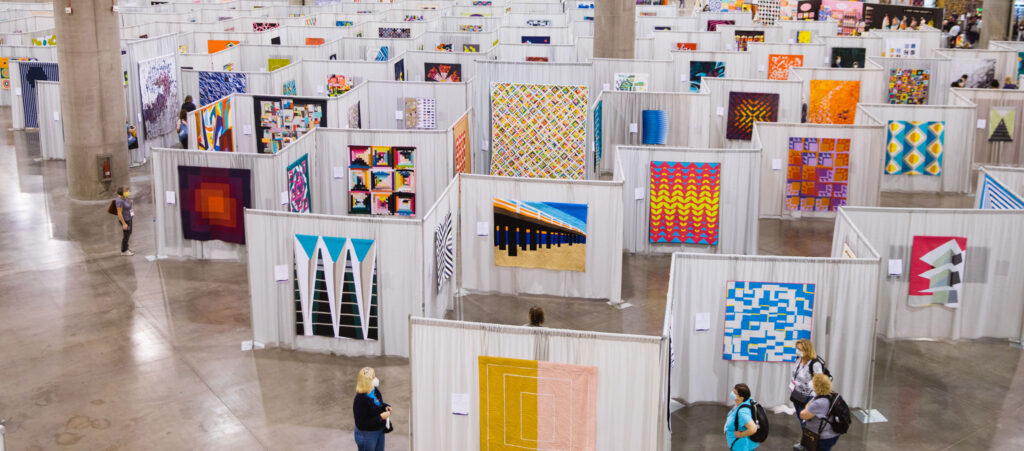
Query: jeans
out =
(827, 444)
(370, 440)
(126, 234)
(799, 406)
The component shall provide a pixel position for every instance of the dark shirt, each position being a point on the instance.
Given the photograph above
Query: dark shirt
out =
(126, 208)
(188, 106)
(367, 413)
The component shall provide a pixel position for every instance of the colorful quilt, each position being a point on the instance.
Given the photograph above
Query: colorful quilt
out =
(684, 202)
(538, 130)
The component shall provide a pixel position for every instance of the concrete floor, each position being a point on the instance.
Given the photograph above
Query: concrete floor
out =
(102, 351)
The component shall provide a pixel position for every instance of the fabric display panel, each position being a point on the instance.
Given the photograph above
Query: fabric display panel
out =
(745, 108)
(713, 24)
(817, 174)
(701, 69)
(264, 26)
(898, 17)
(630, 82)
(471, 48)
(444, 47)
(833, 101)
(848, 57)
(763, 320)
(914, 148)
(902, 48)
(440, 72)
(980, 72)
(686, 46)
(298, 185)
(535, 40)
(45, 41)
(463, 154)
(289, 88)
(778, 65)
(314, 41)
(847, 14)
(214, 86)
(216, 45)
(354, 117)
(522, 405)
(391, 32)
(1001, 123)
(159, 88)
(5, 71)
(400, 70)
(420, 113)
(382, 181)
(213, 126)
(803, 37)
(768, 12)
(336, 293)
(444, 251)
(32, 72)
(276, 40)
(937, 270)
(995, 196)
(338, 85)
(598, 132)
(471, 28)
(280, 121)
(213, 202)
(277, 63)
(379, 54)
(908, 86)
(684, 202)
(537, 59)
(655, 127)
(545, 235)
(538, 130)
(744, 36)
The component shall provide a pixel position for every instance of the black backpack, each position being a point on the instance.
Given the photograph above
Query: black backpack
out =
(760, 419)
(824, 368)
(838, 413)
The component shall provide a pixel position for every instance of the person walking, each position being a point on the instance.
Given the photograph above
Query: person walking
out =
(188, 106)
(738, 437)
(536, 317)
(125, 213)
(370, 412)
(817, 412)
(800, 389)
(183, 128)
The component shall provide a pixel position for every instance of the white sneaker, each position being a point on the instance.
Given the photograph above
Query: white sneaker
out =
(128, 253)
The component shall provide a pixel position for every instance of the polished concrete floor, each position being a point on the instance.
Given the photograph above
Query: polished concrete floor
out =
(101, 351)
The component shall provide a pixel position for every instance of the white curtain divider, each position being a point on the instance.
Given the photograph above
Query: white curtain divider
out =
(994, 152)
(316, 72)
(931, 39)
(437, 300)
(452, 100)
(818, 29)
(138, 51)
(720, 88)
(963, 60)
(738, 197)
(17, 99)
(867, 153)
(602, 278)
(415, 61)
(741, 18)
(957, 146)
(45, 54)
(1012, 178)
(842, 329)
(728, 32)
(992, 287)
(645, 25)
(622, 111)
(664, 43)
(872, 45)
(520, 52)
(938, 73)
(761, 52)
(51, 124)
(444, 361)
(737, 65)
(661, 75)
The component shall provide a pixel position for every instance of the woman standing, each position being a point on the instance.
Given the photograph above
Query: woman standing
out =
(817, 411)
(800, 389)
(740, 425)
(183, 128)
(370, 412)
(125, 213)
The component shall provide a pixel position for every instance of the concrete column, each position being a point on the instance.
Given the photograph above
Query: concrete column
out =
(614, 28)
(92, 96)
(996, 15)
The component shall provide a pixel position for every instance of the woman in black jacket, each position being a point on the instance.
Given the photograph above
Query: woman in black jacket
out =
(370, 412)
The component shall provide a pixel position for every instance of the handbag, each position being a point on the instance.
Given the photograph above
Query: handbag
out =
(796, 398)
(112, 209)
(387, 426)
(809, 440)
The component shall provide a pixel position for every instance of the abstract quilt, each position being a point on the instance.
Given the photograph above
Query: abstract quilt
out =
(277, 63)
(745, 108)
(441, 72)
(213, 127)
(803, 37)
(1001, 123)
(463, 154)
(937, 270)
(537, 59)
(630, 82)
(522, 405)
(909, 86)
(400, 70)
(420, 113)
(980, 72)
(216, 45)
(818, 173)
(686, 46)
(778, 65)
(336, 293)
(701, 69)
(381, 53)
(684, 202)
(216, 85)
(45, 41)
(598, 132)
(264, 26)
(768, 11)
(995, 196)
(655, 127)
(848, 57)
(298, 185)
(279, 121)
(338, 85)
(213, 202)
(713, 24)
(914, 148)
(390, 32)
(535, 40)
(546, 235)
(471, 28)
(289, 88)
(744, 36)
(444, 47)
(382, 181)
(32, 72)
(833, 101)
(444, 250)
(538, 130)
(354, 117)
(159, 85)
(764, 320)
(471, 48)
(314, 41)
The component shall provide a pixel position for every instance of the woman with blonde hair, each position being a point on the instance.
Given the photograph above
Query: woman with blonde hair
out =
(807, 365)
(817, 412)
(370, 411)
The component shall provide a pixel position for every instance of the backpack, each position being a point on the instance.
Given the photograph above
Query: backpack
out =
(838, 414)
(112, 209)
(760, 419)
(824, 368)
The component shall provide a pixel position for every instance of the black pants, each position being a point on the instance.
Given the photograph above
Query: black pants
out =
(126, 233)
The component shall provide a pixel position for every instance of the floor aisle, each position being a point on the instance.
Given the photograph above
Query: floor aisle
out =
(102, 351)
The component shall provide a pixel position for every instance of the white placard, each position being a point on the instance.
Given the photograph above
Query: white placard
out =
(169, 197)
(776, 164)
(339, 172)
(760, 68)
(246, 129)
(140, 118)
(284, 198)
(17, 92)
(482, 228)
(319, 89)
(638, 193)
(56, 116)
(460, 403)
(981, 123)
(720, 111)
(792, 41)
(895, 267)
(280, 273)
(702, 321)
(485, 144)
(607, 87)
(1003, 268)
(399, 115)
(684, 78)
(247, 345)
(632, 127)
